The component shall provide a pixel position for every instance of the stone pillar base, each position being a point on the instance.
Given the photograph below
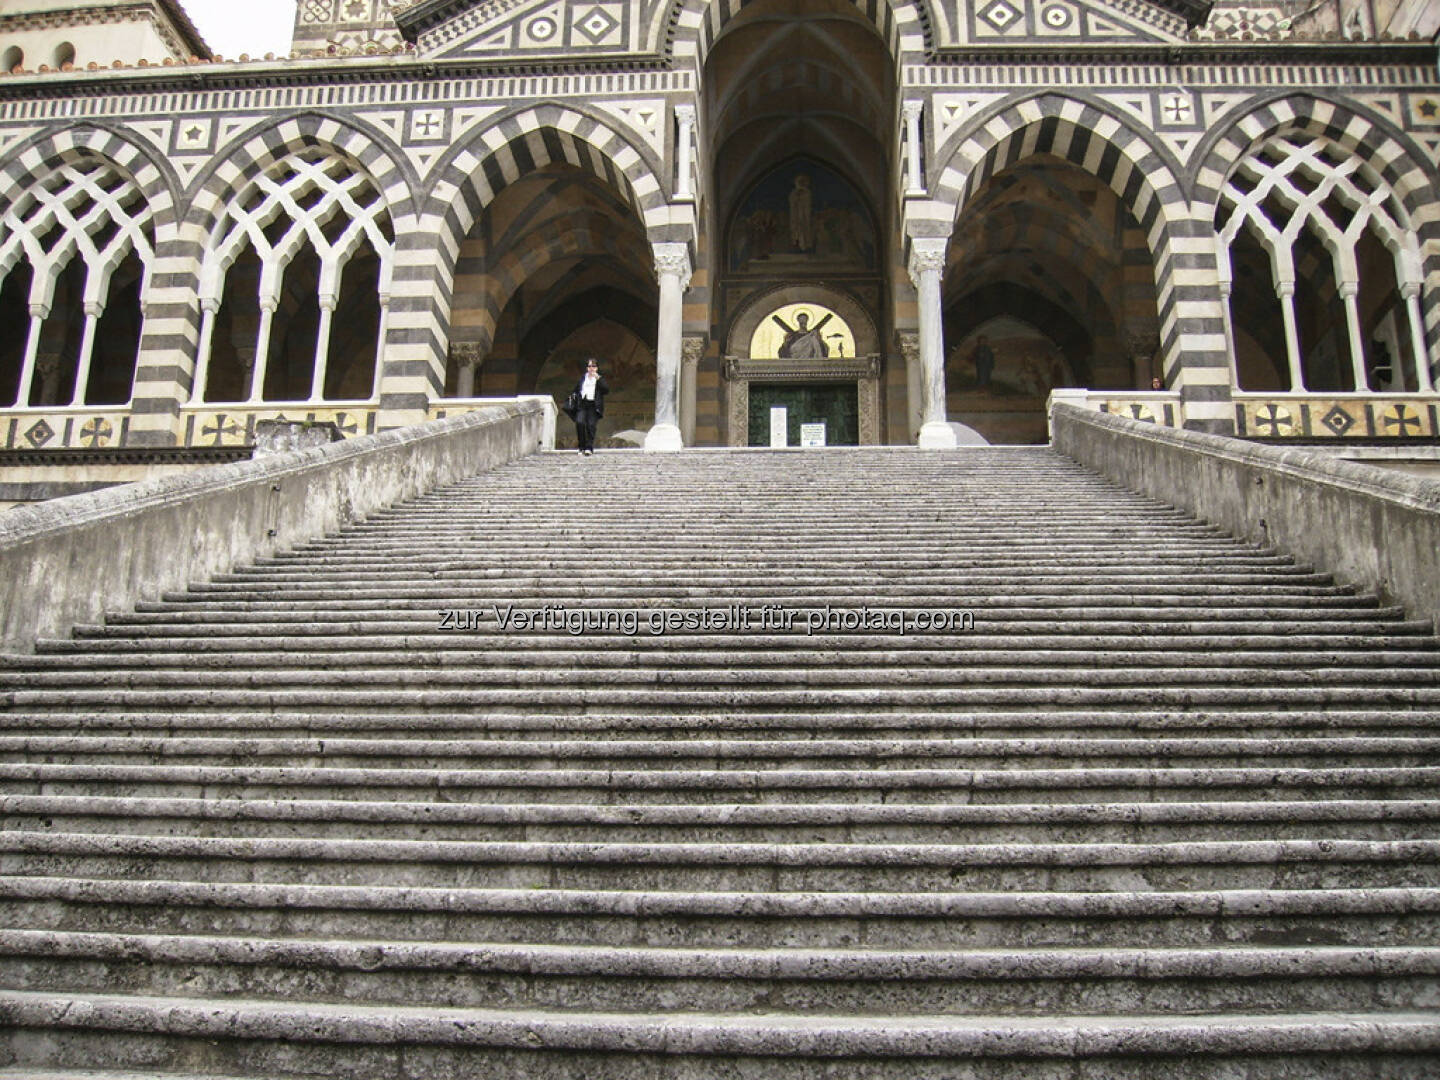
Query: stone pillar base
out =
(663, 439)
(937, 436)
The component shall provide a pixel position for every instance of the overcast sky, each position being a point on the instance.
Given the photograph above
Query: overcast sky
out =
(232, 27)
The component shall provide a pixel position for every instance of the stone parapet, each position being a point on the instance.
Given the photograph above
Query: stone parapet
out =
(73, 559)
(1371, 528)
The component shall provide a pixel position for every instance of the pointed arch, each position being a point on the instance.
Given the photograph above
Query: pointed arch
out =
(1145, 177)
(689, 28)
(477, 170)
(1386, 153)
(78, 207)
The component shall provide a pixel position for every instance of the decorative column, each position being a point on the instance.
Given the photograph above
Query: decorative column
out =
(685, 116)
(1349, 292)
(691, 346)
(322, 347)
(38, 314)
(467, 365)
(927, 262)
(915, 181)
(1228, 318)
(208, 310)
(672, 268)
(262, 349)
(1410, 293)
(93, 311)
(380, 344)
(1285, 290)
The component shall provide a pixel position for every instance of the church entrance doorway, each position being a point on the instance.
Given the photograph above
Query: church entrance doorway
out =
(834, 405)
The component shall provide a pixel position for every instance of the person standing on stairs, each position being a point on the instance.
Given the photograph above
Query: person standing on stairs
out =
(590, 405)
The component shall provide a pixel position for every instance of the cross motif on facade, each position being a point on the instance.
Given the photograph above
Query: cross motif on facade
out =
(1278, 420)
(1177, 109)
(426, 125)
(220, 429)
(96, 432)
(1400, 416)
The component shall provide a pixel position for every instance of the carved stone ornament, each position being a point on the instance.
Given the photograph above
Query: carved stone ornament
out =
(926, 254)
(909, 342)
(692, 347)
(466, 353)
(673, 260)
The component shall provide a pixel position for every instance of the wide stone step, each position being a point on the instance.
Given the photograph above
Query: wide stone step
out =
(1070, 784)
(788, 867)
(256, 1037)
(680, 750)
(1360, 819)
(892, 920)
(159, 650)
(728, 665)
(1018, 982)
(1118, 722)
(1132, 692)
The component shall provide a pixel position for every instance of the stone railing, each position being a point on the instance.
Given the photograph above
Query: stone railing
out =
(1306, 417)
(70, 560)
(1371, 528)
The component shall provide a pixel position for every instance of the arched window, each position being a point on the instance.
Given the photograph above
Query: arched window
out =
(12, 59)
(64, 54)
(83, 239)
(294, 285)
(1311, 217)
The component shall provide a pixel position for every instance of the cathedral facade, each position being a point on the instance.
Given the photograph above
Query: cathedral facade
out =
(905, 220)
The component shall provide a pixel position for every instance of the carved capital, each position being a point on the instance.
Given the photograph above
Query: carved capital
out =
(673, 260)
(909, 342)
(692, 347)
(912, 110)
(685, 114)
(1146, 345)
(926, 254)
(467, 353)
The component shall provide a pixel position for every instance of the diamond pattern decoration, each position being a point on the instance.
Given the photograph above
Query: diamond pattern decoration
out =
(39, 433)
(1338, 420)
(1002, 15)
(596, 24)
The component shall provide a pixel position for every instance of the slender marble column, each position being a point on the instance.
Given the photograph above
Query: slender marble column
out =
(1410, 293)
(927, 262)
(912, 111)
(87, 352)
(672, 268)
(690, 349)
(1349, 292)
(685, 114)
(38, 314)
(262, 350)
(1285, 290)
(208, 310)
(322, 347)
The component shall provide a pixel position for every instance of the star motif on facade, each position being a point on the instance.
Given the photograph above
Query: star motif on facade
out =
(193, 133)
(1428, 108)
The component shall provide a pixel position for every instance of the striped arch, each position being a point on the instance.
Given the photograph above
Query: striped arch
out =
(467, 181)
(171, 354)
(518, 144)
(53, 151)
(1368, 137)
(255, 151)
(43, 154)
(581, 232)
(693, 26)
(1144, 176)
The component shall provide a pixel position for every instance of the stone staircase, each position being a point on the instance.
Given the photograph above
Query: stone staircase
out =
(1166, 807)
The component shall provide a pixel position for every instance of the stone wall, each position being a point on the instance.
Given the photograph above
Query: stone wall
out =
(71, 560)
(1375, 529)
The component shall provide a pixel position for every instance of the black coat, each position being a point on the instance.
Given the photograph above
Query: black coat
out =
(601, 389)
